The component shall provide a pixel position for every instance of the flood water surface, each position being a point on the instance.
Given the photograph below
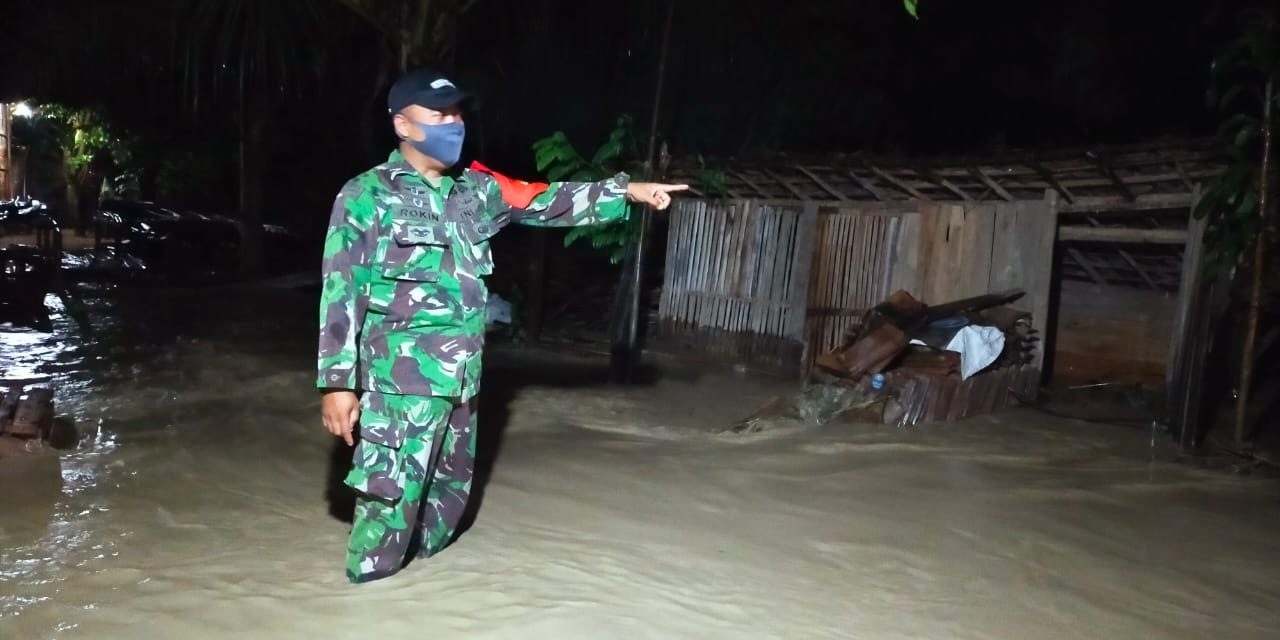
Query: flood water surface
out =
(199, 504)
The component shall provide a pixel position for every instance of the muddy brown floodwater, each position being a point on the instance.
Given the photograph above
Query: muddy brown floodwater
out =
(198, 506)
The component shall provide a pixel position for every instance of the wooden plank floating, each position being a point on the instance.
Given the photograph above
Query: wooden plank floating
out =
(28, 414)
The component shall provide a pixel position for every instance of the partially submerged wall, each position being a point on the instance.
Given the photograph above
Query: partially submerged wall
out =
(1112, 334)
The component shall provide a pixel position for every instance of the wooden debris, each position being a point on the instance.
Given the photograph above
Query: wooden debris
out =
(27, 415)
(33, 417)
(9, 404)
(923, 383)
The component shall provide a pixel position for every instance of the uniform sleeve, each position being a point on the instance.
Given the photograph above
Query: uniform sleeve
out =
(345, 277)
(558, 204)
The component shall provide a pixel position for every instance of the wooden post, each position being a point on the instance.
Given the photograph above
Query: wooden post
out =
(798, 296)
(1259, 273)
(1182, 374)
(637, 276)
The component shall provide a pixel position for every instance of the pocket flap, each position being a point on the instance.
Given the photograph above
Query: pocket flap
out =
(380, 426)
(416, 253)
(408, 234)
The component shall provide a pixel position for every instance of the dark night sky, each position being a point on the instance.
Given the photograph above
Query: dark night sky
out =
(819, 75)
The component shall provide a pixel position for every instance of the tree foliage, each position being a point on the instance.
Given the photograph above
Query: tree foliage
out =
(84, 136)
(559, 160)
(1239, 77)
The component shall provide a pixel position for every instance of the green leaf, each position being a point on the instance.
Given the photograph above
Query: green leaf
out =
(1228, 97)
(910, 6)
(1230, 128)
(608, 152)
(1246, 133)
(1248, 207)
(556, 174)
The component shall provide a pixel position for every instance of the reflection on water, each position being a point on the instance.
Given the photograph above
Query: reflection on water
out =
(196, 507)
(146, 349)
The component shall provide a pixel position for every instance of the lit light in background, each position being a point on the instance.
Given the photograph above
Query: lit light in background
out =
(23, 110)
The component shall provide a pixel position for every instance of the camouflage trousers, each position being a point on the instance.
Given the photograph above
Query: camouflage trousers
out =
(412, 474)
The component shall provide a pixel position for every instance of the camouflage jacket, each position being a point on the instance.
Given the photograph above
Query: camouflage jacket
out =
(402, 306)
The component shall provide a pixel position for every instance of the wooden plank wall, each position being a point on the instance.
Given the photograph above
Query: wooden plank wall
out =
(1106, 333)
(952, 251)
(729, 285)
(854, 252)
(735, 269)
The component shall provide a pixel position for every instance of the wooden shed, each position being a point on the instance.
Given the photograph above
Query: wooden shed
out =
(774, 268)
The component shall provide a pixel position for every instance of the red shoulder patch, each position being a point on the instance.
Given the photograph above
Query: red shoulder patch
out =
(517, 193)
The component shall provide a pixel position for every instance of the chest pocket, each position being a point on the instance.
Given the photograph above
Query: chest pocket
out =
(416, 251)
(478, 233)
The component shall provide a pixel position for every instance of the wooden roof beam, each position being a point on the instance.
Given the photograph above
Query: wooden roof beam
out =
(1100, 158)
(1182, 172)
(910, 190)
(1081, 233)
(1127, 257)
(1136, 267)
(782, 181)
(822, 183)
(875, 191)
(1048, 176)
(1084, 264)
(944, 183)
(991, 184)
(1117, 203)
(747, 181)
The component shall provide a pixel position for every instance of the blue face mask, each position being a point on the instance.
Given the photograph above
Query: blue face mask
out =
(443, 141)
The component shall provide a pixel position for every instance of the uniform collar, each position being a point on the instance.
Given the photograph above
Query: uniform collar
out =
(400, 168)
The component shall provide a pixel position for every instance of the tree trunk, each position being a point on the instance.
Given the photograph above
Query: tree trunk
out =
(1259, 274)
(636, 311)
(621, 355)
(71, 214)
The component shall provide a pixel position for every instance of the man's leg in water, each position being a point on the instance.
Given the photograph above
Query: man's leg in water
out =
(400, 439)
(450, 486)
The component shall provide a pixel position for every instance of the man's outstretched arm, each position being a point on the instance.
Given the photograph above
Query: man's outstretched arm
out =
(571, 204)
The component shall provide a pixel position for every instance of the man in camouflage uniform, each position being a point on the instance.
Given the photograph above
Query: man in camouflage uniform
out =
(402, 316)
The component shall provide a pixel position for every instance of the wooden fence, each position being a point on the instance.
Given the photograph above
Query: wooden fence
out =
(736, 278)
(852, 271)
(775, 282)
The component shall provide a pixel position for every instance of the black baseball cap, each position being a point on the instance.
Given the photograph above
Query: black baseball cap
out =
(424, 88)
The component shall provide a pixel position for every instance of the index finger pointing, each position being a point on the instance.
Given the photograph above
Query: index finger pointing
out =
(668, 188)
